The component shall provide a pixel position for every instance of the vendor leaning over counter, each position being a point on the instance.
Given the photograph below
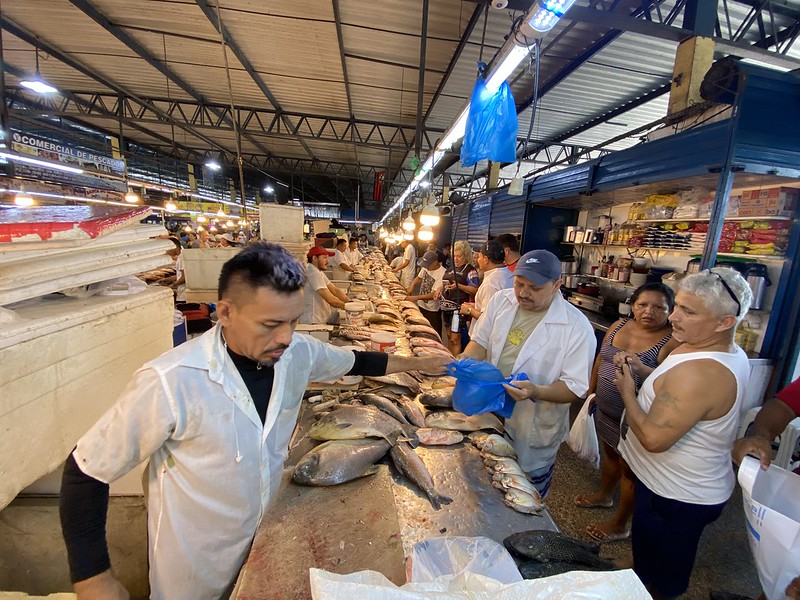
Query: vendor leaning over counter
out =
(531, 329)
(321, 296)
(213, 417)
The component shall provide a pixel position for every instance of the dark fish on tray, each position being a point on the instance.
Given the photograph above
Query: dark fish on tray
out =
(402, 379)
(384, 404)
(338, 461)
(441, 398)
(357, 422)
(431, 335)
(411, 465)
(549, 546)
(536, 570)
(451, 419)
(412, 411)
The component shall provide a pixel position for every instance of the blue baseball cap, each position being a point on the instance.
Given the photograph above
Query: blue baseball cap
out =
(538, 266)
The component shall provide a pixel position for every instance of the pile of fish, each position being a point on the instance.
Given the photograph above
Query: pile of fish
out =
(500, 458)
(541, 553)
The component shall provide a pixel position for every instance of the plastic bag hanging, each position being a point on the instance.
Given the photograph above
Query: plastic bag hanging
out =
(492, 126)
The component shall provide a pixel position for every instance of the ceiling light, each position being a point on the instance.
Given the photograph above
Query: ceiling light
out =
(429, 216)
(23, 199)
(213, 165)
(171, 206)
(425, 234)
(131, 197)
(425, 184)
(546, 16)
(212, 229)
(269, 189)
(200, 228)
(506, 67)
(37, 84)
(229, 224)
(40, 163)
(408, 235)
(221, 213)
(202, 219)
(408, 223)
(188, 228)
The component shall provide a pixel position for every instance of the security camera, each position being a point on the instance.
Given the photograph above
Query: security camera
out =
(499, 4)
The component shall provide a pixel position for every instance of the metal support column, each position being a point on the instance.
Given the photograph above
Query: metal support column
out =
(423, 45)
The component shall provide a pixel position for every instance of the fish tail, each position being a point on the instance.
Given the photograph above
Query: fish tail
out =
(438, 499)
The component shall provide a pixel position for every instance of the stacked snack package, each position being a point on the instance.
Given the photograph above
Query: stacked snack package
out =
(660, 206)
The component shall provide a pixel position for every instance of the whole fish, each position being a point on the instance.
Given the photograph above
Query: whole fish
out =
(355, 334)
(549, 546)
(384, 404)
(417, 319)
(430, 436)
(402, 379)
(424, 331)
(423, 352)
(407, 304)
(523, 502)
(511, 468)
(411, 411)
(383, 318)
(419, 342)
(410, 464)
(357, 422)
(507, 481)
(390, 312)
(450, 419)
(442, 398)
(498, 445)
(536, 570)
(338, 461)
(444, 381)
(477, 437)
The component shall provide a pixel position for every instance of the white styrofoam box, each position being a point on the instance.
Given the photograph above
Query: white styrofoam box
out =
(32, 277)
(203, 265)
(62, 365)
(760, 373)
(281, 223)
(207, 296)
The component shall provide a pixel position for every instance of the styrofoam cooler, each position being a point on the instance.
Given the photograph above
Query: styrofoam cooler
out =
(281, 223)
(63, 363)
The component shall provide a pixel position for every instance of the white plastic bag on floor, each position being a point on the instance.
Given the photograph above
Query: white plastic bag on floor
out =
(583, 436)
(435, 557)
(587, 585)
(772, 514)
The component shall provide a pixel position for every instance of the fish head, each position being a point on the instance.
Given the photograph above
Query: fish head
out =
(307, 469)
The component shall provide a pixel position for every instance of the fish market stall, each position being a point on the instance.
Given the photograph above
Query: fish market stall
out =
(387, 474)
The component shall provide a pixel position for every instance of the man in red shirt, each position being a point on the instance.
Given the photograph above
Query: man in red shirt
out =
(511, 249)
(770, 422)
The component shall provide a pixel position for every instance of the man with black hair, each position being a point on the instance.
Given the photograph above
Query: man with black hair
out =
(511, 249)
(213, 417)
(496, 277)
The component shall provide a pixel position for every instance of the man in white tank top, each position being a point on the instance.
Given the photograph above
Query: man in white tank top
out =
(681, 427)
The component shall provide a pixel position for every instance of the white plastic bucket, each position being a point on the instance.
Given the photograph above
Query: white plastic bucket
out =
(355, 312)
(382, 341)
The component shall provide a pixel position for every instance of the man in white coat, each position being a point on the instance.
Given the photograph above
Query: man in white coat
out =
(407, 268)
(213, 418)
(531, 329)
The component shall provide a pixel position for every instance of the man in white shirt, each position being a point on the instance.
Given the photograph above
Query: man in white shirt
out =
(353, 254)
(496, 277)
(407, 268)
(322, 297)
(531, 329)
(339, 262)
(430, 285)
(213, 418)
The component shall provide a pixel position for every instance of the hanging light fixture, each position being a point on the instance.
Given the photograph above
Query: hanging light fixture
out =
(221, 213)
(212, 229)
(171, 207)
(23, 199)
(425, 234)
(408, 235)
(200, 228)
(131, 197)
(188, 228)
(212, 164)
(37, 84)
(229, 224)
(201, 218)
(383, 234)
(429, 216)
(408, 223)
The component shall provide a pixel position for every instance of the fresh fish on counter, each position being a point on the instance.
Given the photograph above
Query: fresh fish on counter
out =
(478, 437)
(357, 422)
(427, 352)
(507, 481)
(441, 398)
(432, 436)
(417, 320)
(384, 404)
(523, 502)
(338, 461)
(325, 405)
(508, 467)
(407, 304)
(411, 465)
(355, 334)
(389, 311)
(402, 379)
(420, 342)
(549, 546)
(497, 445)
(536, 570)
(395, 329)
(383, 319)
(444, 382)
(423, 331)
(450, 419)
(411, 411)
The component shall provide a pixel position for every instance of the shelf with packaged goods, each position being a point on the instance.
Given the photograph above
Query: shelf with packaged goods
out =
(706, 220)
(696, 251)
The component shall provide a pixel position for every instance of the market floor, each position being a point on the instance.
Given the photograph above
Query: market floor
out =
(724, 561)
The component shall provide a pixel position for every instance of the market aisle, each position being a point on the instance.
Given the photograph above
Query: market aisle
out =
(724, 561)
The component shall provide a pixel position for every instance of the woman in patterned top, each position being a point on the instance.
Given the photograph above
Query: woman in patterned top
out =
(647, 337)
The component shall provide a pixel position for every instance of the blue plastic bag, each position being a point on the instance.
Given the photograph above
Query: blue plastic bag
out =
(479, 388)
(492, 126)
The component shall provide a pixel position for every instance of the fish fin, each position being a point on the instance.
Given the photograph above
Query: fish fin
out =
(438, 499)
(342, 426)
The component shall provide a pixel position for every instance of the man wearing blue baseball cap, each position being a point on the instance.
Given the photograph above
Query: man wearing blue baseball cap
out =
(531, 329)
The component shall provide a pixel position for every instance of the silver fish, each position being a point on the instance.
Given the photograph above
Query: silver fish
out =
(442, 398)
(419, 342)
(498, 445)
(402, 379)
(357, 422)
(450, 419)
(412, 411)
(384, 404)
(411, 465)
(429, 436)
(338, 461)
(523, 502)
